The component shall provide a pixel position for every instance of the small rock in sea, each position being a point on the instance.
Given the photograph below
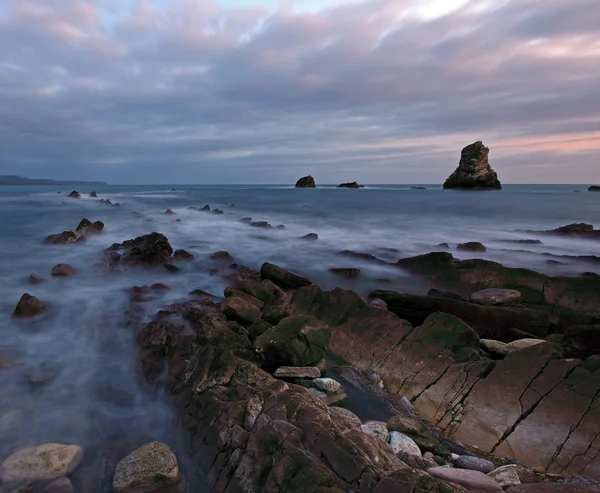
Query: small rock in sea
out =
(297, 372)
(88, 227)
(261, 224)
(60, 485)
(306, 182)
(506, 476)
(594, 188)
(471, 480)
(310, 237)
(218, 211)
(206, 208)
(148, 468)
(246, 220)
(415, 187)
(443, 245)
(34, 280)
(345, 414)
(171, 267)
(93, 194)
(63, 270)
(281, 226)
(74, 194)
(474, 171)
(352, 184)
(183, 255)
(41, 463)
(474, 464)
(64, 238)
(169, 212)
(496, 296)
(348, 273)
(329, 385)
(42, 374)
(178, 220)
(222, 255)
(377, 429)
(29, 306)
(401, 443)
(471, 246)
(159, 286)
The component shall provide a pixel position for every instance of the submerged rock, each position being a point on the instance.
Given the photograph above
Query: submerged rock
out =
(310, 237)
(43, 462)
(93, 194)
(74, 194)
(306, 182)
(222, 255)
(63, 270)
(347, 272)
(88, 227)
(474, 171)
(471, 246)
(283, 277)
(576, 229)
(260, 224)
(169, 212)
(29, 306)
(34, 280)
(183, 255)
(148, 468)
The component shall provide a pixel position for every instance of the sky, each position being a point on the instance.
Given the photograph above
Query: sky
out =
(266, 91)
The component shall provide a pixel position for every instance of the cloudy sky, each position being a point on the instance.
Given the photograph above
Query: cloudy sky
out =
(264, 91)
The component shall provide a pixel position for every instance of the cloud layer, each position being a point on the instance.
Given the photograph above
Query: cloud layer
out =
(183, 91)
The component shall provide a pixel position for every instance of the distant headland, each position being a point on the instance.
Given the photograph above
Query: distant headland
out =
(20, 180)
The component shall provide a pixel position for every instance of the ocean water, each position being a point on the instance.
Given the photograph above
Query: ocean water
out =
(95, 398)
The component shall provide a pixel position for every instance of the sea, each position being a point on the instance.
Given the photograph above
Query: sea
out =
(71, 375)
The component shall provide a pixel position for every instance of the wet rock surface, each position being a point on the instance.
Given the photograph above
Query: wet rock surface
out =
(29, 306)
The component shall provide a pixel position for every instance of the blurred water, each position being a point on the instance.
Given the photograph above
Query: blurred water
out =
(96, 400)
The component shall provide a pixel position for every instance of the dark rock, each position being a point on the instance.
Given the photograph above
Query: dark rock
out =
(261, 224)
(582, 341)
(63, 270)
(64, 238)
(474, 171)
(310, 237)
(443, 245)
(218, 211)
(159, 286)
(553, 488)
(281, 226)
(440, 293)
(18, 487)
(93, 194)
(222, 255)
(362, 256)
(171, 268)
(169, 212)
(183, 255)
(576, 229)
(414, 187)
(240, 310)
(471, 246)
(246, 220)
(524, 242)
(474, 464)
(29, 306)
(74, 194)
(282, 277)
(428, 264)
(34, 280)
(350, 185)
(306, 182)
(347, 272)
(594, 188)
(88, 227)
(150, 249)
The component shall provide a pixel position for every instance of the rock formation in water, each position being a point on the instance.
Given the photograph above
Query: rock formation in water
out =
(474, 171)
(306, 182)
(594, 188)
(352, 184)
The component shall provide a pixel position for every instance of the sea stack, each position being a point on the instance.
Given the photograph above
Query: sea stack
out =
(594, 188)
(306, 182)
(474, 171)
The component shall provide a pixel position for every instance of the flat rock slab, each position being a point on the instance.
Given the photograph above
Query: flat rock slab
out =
(44, 462)
(474, 481)
(297, 372)
(496, 296)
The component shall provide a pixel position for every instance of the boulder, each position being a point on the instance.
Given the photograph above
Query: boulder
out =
(346, 415)
(575, 229)
(402, 444)
(295, 341)
(471, 246)
(346, 272)
(183, 255)
(519, 345)
(474, 171)
(327, 399)
(496, 296)
(150, 249)
(350, 185)
(506, 476)
(35, 280)
(306, 182)
(148, 468)
(497, 348)
(297, 372)
(422, 433)
(222, 255)
(310, 237)
(29, 306)
(328, 385)
(474, 481)
(428, 264)
(74, 194)
(240, 310)
(171, 267)
(474, 463)
(376, 429)
(41, 463)
(282, 277)
(63, 270)
(88, 227)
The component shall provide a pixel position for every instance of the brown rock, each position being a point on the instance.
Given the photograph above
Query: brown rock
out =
(29, 306)
(183, 255)
(471, 246)
(222, 255)
(474, 481)
(282, 277)
(240, 310)
(347, 272)
(63, 270)
(310, 237)
(34, 280)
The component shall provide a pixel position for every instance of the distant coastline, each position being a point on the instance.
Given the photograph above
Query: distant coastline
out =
(8, 180)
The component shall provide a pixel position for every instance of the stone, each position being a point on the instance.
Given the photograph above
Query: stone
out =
(218, 211)
(401, 443)
(171, 267)
(348, 273)
(521, 344)
(160, 286)
(240, 310)
(93, 194)
(328, 385)
(306, 182)
(506, 476)
(282, 277)
(377, 429)
(343, 413)
(310, 237)
(64, 238)
(428, 264)
(297, 372)
(42, 463)
(553, 488)
(471, 246)
(169, 212)
(474, 481)
(350, 185)
(35, 280)
(594, 188)
(74, 194)
(474, 463)
(29, 306)
(150, 249)
(379, 304)
(246, 220)
(222, 255)
(496, 348)
(183, 255)
(148, 468)
(474, 171)
(496, 296)
(88, 227)
(260, 224)
(60, 485)
(423, 434)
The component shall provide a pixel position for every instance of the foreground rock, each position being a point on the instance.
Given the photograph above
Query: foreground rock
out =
(474, 171)
(149, 468)
(306, 182)
(474, 481)
(350, 185)
(44, 463)
(496, 296)
(151, 249)
(29, 306)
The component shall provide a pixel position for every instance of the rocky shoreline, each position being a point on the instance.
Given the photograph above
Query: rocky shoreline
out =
(491, 382)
